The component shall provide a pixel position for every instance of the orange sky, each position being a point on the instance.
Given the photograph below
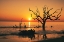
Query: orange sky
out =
(15, 10)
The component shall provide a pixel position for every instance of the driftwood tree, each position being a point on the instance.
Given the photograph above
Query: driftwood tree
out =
(46, 15)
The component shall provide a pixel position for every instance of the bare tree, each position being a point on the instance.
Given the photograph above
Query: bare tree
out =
(46, 15)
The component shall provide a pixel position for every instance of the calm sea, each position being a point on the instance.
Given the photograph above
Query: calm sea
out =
(56, 26)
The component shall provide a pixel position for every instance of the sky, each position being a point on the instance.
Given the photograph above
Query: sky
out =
(15, 10)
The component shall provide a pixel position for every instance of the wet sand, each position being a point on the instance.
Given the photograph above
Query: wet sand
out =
(61, 39)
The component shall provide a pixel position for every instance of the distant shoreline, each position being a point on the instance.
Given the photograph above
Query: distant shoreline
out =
(19, 27)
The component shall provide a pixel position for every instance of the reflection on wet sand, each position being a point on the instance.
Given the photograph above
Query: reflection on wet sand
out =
(33, 38)
(10, 34)
(29, 36)
(44, 36)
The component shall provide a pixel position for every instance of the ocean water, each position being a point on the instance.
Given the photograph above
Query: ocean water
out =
(56, 26)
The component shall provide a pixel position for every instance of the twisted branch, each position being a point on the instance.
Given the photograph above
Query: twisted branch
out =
(46, 14)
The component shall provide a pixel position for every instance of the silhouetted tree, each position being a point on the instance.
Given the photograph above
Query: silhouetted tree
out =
(46, 15)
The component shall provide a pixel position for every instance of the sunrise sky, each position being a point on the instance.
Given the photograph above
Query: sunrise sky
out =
(15, 10)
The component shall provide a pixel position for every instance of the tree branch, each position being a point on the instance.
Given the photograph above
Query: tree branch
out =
(36, 14)
(46, 14)
(32, 11)
(38, 20)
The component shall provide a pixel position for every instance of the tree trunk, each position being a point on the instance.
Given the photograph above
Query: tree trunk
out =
(43, 26)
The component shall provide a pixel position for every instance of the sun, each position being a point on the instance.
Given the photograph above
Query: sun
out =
(29, 18)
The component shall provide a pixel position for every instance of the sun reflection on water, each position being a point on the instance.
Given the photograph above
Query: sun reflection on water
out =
(29, 24)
